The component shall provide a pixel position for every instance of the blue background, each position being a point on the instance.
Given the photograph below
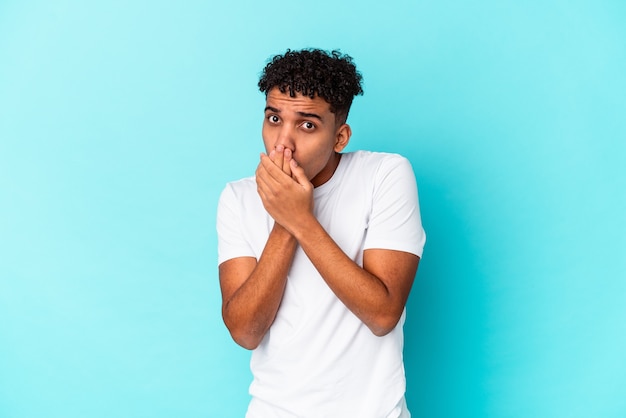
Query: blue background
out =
(120, 122)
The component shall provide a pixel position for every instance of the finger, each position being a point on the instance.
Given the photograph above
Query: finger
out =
(263, 179)
(287, 161)
(272, 171)
(298, 173)
(263, 187)
(271, 181)
(280, 156)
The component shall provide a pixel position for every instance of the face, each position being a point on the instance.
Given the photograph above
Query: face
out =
(307, 127)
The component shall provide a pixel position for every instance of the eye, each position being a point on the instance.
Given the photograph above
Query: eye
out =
(309, 126)
(273, 119)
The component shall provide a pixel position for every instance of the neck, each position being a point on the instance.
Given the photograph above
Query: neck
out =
(328, 171)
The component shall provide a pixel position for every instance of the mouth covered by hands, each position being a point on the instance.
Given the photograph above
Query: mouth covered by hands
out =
(283, 158)
(286, 192)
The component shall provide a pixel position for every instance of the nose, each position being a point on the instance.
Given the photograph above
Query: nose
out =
(286, 138)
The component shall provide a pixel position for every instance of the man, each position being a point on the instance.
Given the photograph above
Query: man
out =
(318, 252)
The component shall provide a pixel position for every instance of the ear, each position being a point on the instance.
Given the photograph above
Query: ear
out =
(342, 137)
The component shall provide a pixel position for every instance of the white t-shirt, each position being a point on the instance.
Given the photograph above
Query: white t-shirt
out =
(318, 359)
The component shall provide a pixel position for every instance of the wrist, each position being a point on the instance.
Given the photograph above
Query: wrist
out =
(279, 232)
(306, 226)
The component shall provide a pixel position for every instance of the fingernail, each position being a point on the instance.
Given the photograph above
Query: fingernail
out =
(287, 152)
(280, 148)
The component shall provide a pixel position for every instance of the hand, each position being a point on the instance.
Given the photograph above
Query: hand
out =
(285, 191)
(282, 157)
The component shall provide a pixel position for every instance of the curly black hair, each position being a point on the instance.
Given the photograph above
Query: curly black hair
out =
(330, 75)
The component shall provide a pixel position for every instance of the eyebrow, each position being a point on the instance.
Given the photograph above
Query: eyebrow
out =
(303, 114)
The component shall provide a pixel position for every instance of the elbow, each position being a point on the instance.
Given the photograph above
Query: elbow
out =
(243, 336)
(383, 325)
(245, 341)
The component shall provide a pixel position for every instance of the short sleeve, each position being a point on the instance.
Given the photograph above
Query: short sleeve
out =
(231, 242)
(395, 222)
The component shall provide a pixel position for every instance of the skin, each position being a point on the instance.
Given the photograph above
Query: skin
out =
(303, 144)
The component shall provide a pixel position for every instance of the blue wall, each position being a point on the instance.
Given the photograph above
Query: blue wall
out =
(120, 122)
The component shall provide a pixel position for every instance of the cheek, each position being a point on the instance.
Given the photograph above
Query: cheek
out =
(313, 160)
(266, 140)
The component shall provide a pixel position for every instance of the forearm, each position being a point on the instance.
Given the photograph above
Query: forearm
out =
(366, 295)
(251, 309)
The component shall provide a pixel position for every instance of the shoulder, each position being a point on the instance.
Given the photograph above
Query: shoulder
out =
(377, 163)
(239, 187)
(240, 193)
(373, 157)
